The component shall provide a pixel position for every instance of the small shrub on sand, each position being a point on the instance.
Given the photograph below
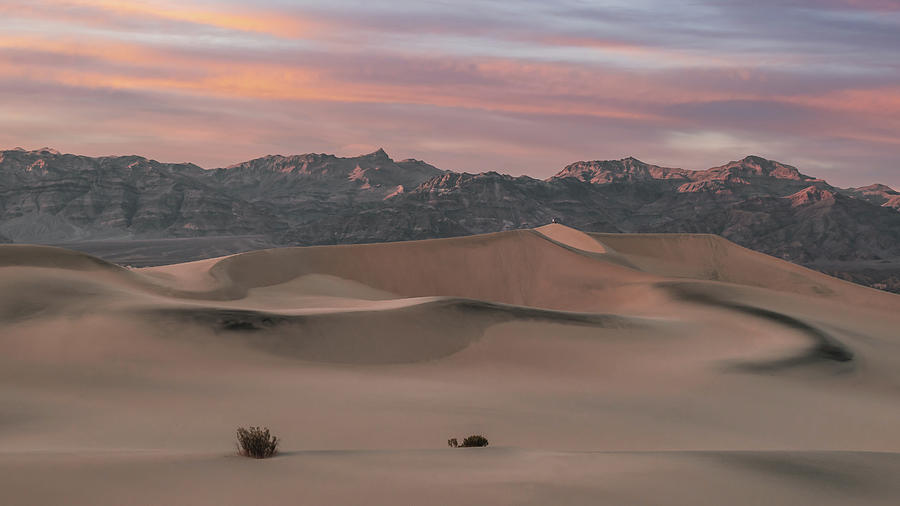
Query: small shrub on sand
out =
(256, 442)
(474, 441)
(469, 442)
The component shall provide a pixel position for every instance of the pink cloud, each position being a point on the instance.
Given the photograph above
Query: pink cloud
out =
(522, 95)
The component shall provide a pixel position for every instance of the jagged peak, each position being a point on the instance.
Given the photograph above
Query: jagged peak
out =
(756, 159)
(379, 153)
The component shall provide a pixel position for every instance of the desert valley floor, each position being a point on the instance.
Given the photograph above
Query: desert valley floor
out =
(604, 369)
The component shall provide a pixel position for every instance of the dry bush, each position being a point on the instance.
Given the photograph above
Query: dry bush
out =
(256, 442)
(474, 441)
(469, 442)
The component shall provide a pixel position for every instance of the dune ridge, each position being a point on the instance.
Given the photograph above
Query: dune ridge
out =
(675, 356)
(553, 273)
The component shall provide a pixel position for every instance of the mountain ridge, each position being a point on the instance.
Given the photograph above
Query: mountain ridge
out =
(317, 198)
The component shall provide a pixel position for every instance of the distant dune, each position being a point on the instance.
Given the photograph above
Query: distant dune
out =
(604, 368)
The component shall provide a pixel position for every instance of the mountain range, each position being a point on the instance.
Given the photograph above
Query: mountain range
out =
(54, 198)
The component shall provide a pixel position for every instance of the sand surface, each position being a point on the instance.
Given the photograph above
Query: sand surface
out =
(604, 369)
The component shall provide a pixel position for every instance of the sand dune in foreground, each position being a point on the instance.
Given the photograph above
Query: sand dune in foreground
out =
(622, 369)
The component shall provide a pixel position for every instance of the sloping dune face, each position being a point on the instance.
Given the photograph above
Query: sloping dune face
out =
(601, 367)
(712, 258)
(520, 267)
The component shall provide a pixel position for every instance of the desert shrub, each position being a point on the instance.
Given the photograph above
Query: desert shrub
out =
(256, 442)
(474, 441)
(452, 442)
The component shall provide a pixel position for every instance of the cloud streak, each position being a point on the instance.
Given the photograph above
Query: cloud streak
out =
(523, 86)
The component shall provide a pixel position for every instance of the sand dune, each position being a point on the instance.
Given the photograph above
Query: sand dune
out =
(710, 257)
(623, 369)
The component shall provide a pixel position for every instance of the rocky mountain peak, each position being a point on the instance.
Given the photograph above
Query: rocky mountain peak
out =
(756, 166)
(379, 154)
(368, 177)
(878, 194)
(628, 169)
(876, 189)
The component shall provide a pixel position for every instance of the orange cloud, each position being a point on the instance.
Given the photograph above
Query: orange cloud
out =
(98, 12)
(548, 93)
(486, 84)
(495, 84)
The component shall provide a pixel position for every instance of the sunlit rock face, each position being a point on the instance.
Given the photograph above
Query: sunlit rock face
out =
(625, 170)
(322, 177)
(49, 197)
(878, 194)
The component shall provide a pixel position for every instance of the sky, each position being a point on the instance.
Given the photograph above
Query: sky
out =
(522, 87)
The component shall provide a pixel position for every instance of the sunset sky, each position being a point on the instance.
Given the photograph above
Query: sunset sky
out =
(522, 87)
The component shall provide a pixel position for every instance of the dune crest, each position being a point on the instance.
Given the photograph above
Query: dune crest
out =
(571, 237)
